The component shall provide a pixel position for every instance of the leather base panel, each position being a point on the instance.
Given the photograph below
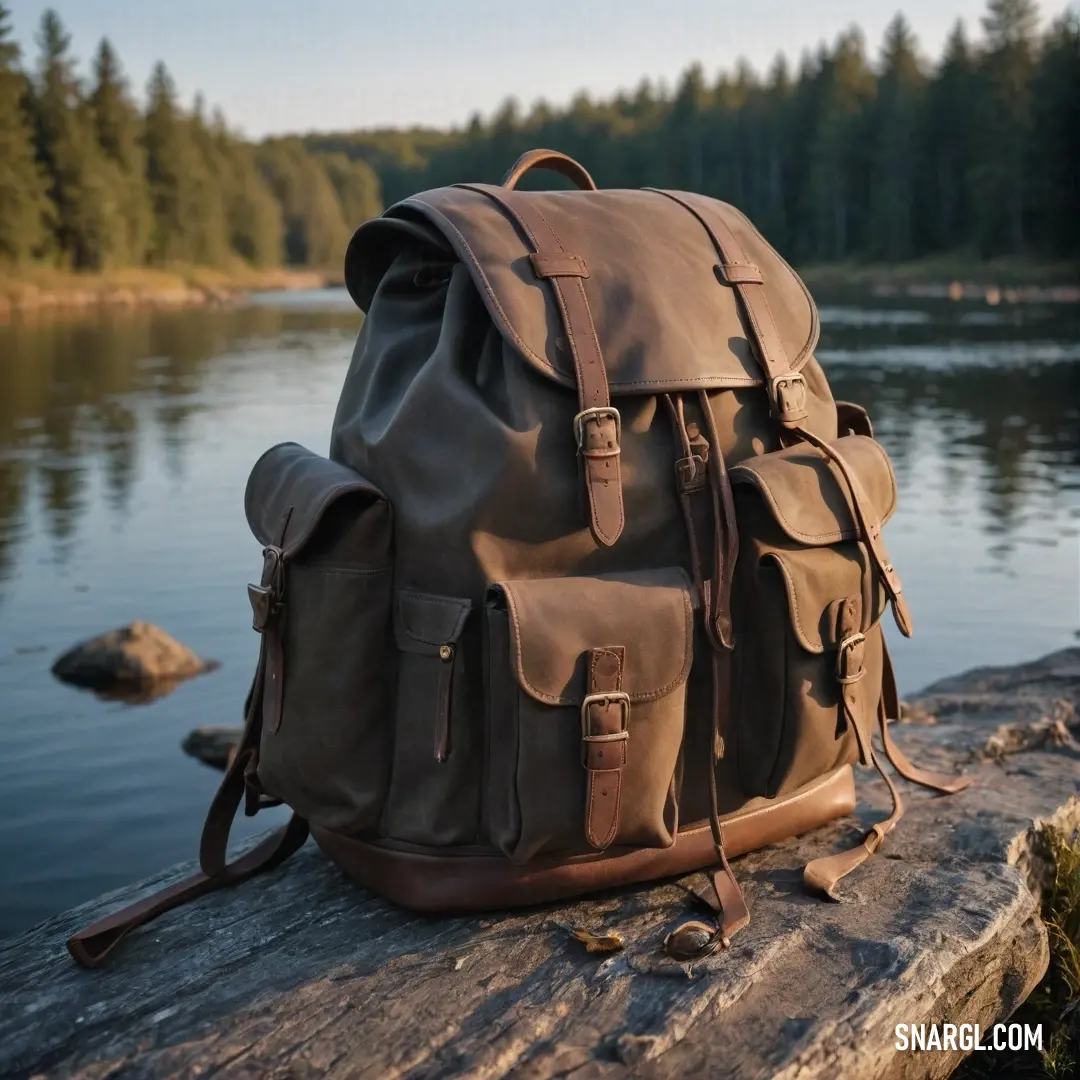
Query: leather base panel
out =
(447, 883)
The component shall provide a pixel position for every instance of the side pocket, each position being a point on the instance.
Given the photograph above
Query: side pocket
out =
(808, 613)
(587, 699)
(434, 791)
(323, 606)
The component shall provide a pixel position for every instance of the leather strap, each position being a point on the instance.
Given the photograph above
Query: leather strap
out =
(730, 904)
(91, 946)
(268, 618)
(725, 533)
(605, 715)
(869, 528)
(889, 709)
(786, 387)
(820, 876)
(549, 159)
(597, 426)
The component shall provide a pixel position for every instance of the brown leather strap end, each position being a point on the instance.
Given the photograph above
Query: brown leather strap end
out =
(820, 876)
(605, 715)
(734, 914)
(92, 946)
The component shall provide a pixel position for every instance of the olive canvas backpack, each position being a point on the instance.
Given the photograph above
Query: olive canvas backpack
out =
(590, 588)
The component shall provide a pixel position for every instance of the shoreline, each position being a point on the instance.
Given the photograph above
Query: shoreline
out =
(43, 290)
(991, 281)
(36, 290)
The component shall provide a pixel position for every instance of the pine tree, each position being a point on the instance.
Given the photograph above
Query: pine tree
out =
(1003, 125)
(893, 126)
(209, 174)
(357, 188)
(85, 215)
(835, 188)
(168, 170)
(315, 230)
(22, 184)
(1054, 161)
(255, 223)
(118, 128)
(947, 147)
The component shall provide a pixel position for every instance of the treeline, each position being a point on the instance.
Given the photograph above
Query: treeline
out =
(90, 181)
(847, 157)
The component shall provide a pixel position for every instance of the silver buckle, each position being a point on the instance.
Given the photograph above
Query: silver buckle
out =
(849, 643)
(605, 412)
(609, 698)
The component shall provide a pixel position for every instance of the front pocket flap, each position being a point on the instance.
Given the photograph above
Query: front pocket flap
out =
(807, 495)
(818, 580)
(554, 621)
(293, 486)
(424, 623)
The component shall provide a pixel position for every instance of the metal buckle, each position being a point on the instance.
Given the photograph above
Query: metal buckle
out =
(781, 391)
(605, 412)
(849, 643)
(609, 698)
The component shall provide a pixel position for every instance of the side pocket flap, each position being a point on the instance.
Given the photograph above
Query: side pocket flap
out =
(424, 623)
(555, 621)
(295, 487)
(818, 580)
(806, 495)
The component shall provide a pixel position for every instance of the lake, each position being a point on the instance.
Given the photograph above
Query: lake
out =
(125, 444)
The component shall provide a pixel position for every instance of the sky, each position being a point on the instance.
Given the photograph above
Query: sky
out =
(276, 66)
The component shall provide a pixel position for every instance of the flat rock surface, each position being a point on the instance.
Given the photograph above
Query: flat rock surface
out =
(299, 973)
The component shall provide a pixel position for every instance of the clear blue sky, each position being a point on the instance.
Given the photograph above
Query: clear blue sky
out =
(302, 65)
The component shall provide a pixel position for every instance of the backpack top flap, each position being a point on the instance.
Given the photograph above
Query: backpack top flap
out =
(665, 314)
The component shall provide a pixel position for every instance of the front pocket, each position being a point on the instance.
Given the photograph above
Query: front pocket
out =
(586, 711)
(434, 793)
(808, 606)
(323, 607)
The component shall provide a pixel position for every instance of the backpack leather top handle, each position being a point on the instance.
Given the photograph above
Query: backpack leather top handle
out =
(553, 160)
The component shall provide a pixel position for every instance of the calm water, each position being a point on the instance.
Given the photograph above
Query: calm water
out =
(125, 444)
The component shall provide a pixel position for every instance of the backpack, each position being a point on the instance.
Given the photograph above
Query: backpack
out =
(590, 588)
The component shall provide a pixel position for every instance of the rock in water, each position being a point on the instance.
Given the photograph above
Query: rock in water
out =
(213, 746)
(129, 659)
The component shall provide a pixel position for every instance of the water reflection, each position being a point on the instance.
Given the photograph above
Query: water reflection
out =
(80, 389)
(996, 405)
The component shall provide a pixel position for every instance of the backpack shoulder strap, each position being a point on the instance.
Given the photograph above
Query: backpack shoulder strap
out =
(91, 946)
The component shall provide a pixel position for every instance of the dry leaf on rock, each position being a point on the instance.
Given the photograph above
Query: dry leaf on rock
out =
(595, 943)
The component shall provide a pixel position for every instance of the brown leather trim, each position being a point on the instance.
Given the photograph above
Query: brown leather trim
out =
(446, 883)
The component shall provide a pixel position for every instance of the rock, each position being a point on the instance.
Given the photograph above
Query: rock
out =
(213, 746)
(135, 660)
(298, 972)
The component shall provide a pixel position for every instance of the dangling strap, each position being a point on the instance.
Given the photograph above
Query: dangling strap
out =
(889, 709)
(90, 947)
(821, 875)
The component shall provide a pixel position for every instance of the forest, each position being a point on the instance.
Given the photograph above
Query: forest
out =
(849, 155)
